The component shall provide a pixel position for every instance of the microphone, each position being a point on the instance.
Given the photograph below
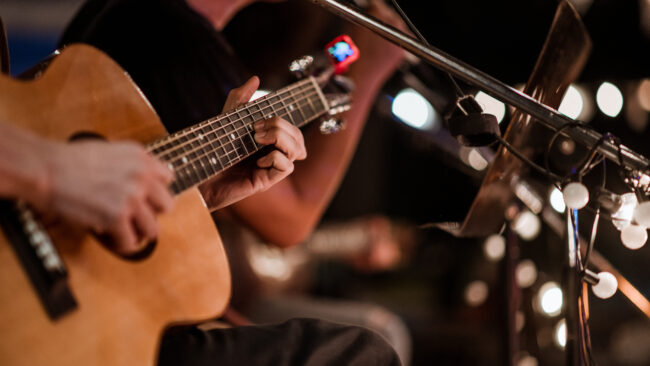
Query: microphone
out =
(470, 126)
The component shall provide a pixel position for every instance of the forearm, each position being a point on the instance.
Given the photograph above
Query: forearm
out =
(288, 212)
(23, 171)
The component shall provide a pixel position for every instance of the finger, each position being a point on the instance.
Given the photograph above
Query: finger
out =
(161, 170)
(275, 160)
(160, 197)
(125, 238)
(145, 222)
(278, 167)
(285, 136)
(242, 94)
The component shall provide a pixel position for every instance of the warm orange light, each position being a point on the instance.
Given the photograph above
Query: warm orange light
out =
(643, 94)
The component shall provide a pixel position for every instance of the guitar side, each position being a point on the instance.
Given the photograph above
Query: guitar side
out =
(123, 305)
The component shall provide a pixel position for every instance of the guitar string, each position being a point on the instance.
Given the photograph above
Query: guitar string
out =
(240, 139)
(191, 163)
(199, 133)
(212, 121)
(227, 114)
(217, 132)
(188, 176)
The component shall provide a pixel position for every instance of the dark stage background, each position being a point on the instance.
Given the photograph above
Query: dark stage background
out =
(403, 173)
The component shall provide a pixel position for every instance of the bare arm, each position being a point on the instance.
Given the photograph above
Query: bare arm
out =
(114, 188)
(288, 212)
(23, 174)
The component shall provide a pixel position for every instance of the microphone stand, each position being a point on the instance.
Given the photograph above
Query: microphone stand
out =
(617, 153)
(551, 118)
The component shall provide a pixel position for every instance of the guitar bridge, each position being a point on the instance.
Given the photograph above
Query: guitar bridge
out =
(39, 258)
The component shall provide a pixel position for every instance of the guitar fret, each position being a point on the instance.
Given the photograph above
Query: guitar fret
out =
(197, 162)
(240, 128)
(208, 167)
(211, 153)
(248, 117)
(233, 138)
(205, 149)
(184, 174)
(186, 159)
(295, 112)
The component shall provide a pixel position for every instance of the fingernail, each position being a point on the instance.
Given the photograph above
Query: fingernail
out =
(258, 125)
(259, 136)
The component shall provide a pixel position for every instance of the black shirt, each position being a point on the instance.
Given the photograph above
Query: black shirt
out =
(182, 64)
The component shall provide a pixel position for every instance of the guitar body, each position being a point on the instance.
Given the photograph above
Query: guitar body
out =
(123, 306)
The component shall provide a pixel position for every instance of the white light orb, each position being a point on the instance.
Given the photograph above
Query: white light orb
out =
(606, 286)
(527, 225)
(572, 103)
(609, 99)
(550, 299)
(560, 333)
(413, 109)
(623, 216)
(557, 200)
(575, 195)
(642, 214)
(269, 262)
(491, 105)
(494, 247)
(259, 93)
(634, 236)
(526, 273)
(527, 360)
(476, 293)
(476, 160)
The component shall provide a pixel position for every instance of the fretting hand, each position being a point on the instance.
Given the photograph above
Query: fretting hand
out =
(243, 180)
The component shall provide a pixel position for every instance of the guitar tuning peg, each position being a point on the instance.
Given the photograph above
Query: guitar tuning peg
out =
(302, 66)
(331, 125)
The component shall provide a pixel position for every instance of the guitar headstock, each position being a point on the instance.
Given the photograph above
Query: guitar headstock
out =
(340, 53)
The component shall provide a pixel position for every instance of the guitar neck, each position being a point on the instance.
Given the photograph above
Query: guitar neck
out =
(200, 152)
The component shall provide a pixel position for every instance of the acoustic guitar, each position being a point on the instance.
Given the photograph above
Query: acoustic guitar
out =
(66, 299)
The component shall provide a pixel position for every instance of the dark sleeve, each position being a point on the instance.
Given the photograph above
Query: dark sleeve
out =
(168, 50)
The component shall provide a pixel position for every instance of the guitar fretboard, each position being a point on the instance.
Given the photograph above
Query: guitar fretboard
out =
(198, 153)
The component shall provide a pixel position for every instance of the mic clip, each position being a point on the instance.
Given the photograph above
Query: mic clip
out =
(470, 126)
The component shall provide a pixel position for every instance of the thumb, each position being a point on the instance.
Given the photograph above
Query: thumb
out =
(242, 94)
(245, 92)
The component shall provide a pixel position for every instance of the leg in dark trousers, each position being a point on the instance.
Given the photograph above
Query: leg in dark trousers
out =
(299, 342)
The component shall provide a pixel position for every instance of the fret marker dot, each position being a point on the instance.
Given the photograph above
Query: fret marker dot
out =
(184, 159)
(170, 166)
(200, 136)
(213, 161)
(269, 116)
(291, 107)
(232, 136)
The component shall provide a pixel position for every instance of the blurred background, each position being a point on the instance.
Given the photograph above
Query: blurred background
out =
(449, 295)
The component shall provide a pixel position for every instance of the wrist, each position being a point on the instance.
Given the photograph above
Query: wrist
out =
(39, 182)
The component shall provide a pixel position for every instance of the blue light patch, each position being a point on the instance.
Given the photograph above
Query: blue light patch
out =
(341, 51)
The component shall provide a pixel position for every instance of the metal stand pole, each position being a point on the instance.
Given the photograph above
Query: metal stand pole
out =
(548, 116)
(572, 287)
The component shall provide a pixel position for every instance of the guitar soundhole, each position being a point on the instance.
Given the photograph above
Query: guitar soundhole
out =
(85, 135)
(147, 247)
(143, 253)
